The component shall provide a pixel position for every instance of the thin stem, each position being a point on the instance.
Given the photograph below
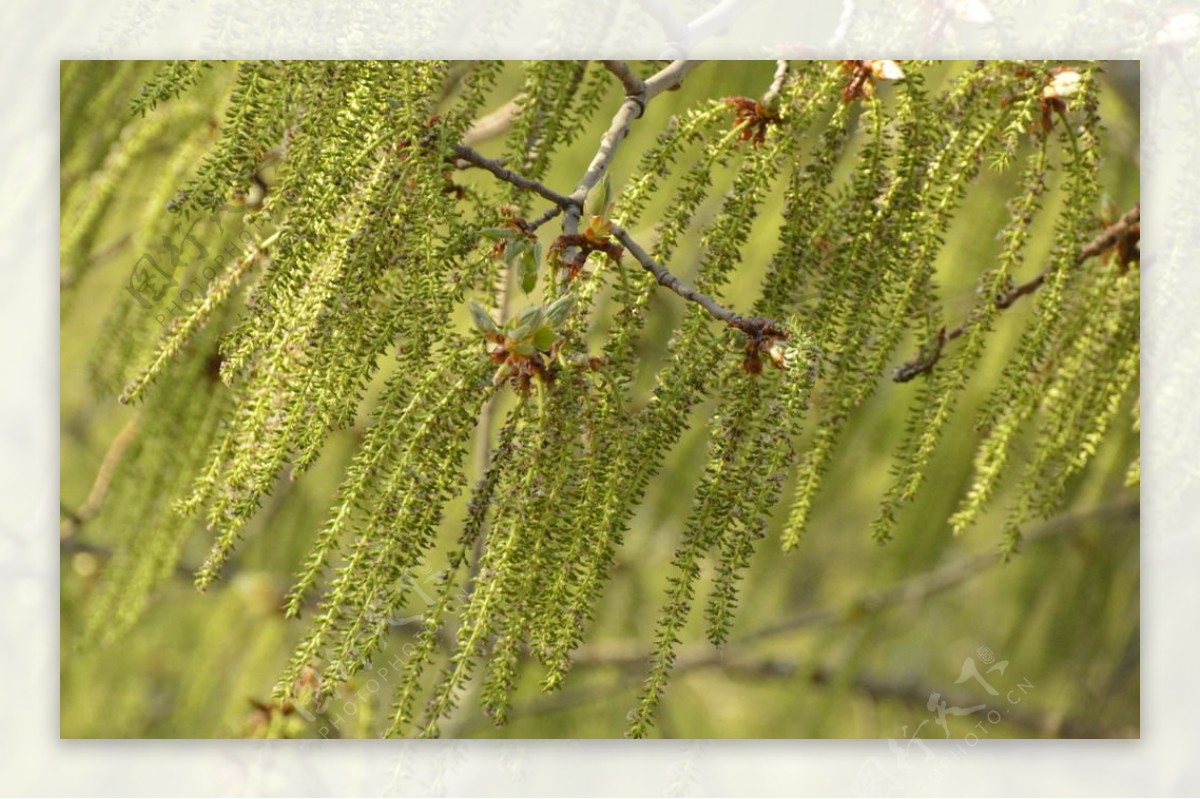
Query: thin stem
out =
(631, 656)
(1102, 243)
(639, 93)
(675, 33)
(843, 26)
(714, 22)
(76, 545)
(904, 592)
(549, 214)
(772, 95)
(668, 280)
(634, 87)
(104, 475)
(669, 77)
(508, 176)
(493, 124)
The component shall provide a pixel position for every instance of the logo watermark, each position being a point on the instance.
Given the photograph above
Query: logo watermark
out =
(913, 758)
(159, 276)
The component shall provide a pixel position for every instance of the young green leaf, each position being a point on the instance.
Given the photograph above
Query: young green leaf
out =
(557, 311)
(526, 322)
(600, 200)
(527, 267)
(514, 250)
(498, 233)
(482, 319)
(544, 338)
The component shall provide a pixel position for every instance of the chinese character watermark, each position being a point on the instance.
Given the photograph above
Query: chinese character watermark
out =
(913, 757)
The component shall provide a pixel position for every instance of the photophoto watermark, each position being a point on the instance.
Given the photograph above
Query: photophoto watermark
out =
(158, 277)
(337, 713)
(915, 768)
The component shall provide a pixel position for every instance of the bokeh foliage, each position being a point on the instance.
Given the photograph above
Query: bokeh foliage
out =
(272, 263)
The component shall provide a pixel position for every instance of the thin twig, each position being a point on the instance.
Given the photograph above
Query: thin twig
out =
(668, 280)
(912, 692)
(549, 214)
(76, 545)
(1106, 240)
(99, 490)
(914, 589)
(639, 93)
(493, 124)
(632, 83)
(681, 37)
(1101, 244)
(100, 255)
(772, 95)
(714, 22)
(675, 33)
(508, 176)
(937, 581)
(631, 656)
(669, 77)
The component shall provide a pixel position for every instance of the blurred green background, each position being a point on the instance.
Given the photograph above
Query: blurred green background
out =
(841, 638)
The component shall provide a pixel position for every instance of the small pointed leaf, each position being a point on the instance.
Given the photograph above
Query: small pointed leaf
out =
(527, 267)
(544, 338)
(514, 249)
(600, 200)
(497, 233)
(526, 322)
(482, 319)
(557, 311)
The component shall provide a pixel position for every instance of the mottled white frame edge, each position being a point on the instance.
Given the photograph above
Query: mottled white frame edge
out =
(1163, 35)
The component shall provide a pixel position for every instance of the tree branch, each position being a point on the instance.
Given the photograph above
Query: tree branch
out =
(843, 26)
(634, 86)
(914, 589)
(493, 124)
(668, 280)
(74, 545)
(629, 656)
(508, 176)
(549, 214)
(715, 21)
(943, 579)
(637, 95)
(1107, 239)
(99, 490)
(675, 33)
(680, 37)
(772, 94)
(669, 77)
(572, 205)
(909, 691)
